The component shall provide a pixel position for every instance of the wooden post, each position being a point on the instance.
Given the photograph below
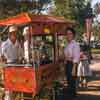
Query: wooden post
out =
(55, 44)
(88, 28)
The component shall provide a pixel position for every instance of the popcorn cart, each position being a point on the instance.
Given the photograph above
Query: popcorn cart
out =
(44, 66)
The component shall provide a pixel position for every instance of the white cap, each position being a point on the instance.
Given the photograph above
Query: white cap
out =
(26, 30)
(12, 29)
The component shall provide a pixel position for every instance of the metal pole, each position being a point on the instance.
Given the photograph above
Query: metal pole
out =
(88, 32)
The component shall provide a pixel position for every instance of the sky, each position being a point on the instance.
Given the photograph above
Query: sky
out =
(94, 2)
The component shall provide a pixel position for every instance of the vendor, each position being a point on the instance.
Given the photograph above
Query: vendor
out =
(0, 50)
(27, 44)
(11, 52)
(11, 49)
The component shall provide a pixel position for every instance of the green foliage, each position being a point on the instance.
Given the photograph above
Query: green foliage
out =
(96, 31)
(96, 27)
(74, 10)
(62, 8)
(13, 7)
(97, 8)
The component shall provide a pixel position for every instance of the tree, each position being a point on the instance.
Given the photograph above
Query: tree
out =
(96, 26)
(62, 8)
(97, 8)
(12, 7)
(96, 31)
(73, 10)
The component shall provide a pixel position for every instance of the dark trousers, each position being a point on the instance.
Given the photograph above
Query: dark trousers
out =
(71, 80)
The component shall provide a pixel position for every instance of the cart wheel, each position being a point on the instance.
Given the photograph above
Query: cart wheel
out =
(51, 95)
(15, 96)
(2, 97)
(37, 97)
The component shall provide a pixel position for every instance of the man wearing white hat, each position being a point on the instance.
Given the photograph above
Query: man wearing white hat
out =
(26, 34)
(11, 49)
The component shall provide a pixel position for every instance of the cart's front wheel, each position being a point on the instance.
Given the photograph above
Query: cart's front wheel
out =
(11, 95)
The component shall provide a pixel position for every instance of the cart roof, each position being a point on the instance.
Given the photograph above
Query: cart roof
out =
(24, 18)
(18, 19)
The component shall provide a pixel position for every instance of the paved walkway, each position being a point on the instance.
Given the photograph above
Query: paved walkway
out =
(93, 90)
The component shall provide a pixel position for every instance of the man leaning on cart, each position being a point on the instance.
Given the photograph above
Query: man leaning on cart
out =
(11, 52)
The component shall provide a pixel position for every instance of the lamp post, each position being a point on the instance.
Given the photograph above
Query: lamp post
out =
(88, 25)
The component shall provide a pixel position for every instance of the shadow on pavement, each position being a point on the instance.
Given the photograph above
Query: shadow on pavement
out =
(87, 97)
(92, 92)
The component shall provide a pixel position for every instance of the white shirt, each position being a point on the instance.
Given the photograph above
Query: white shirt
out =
(0, 49)
(26, 50)
(11, 51)
(72, 51)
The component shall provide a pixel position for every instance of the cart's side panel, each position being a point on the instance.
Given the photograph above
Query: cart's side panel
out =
(20, 79)
(48, 73)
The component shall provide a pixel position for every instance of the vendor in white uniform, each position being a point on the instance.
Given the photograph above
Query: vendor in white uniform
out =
(27, 43)
(11, 52)
(11, 49)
